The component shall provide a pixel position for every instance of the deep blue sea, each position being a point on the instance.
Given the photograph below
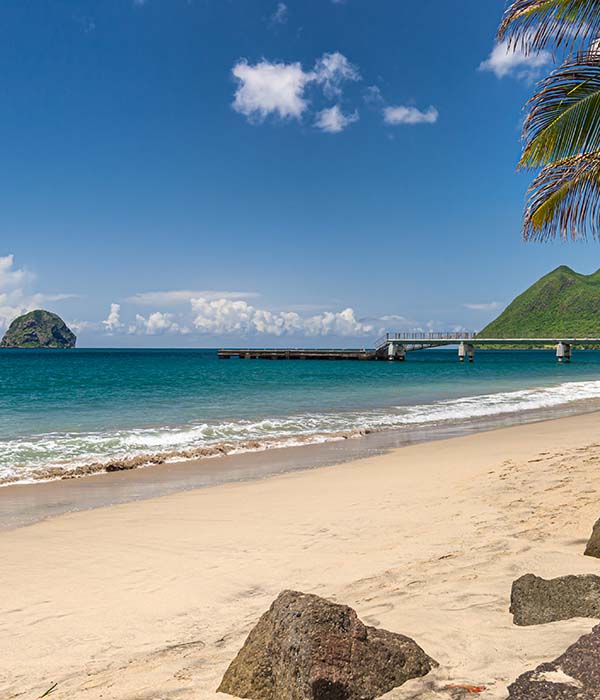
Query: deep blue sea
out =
(64, 409)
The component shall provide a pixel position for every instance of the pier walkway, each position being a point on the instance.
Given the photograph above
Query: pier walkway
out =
(395, 346)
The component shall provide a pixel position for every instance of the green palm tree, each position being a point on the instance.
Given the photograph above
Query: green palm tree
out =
(561, 131)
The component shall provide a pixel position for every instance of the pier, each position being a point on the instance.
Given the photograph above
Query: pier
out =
(395, 346)
(398, 344)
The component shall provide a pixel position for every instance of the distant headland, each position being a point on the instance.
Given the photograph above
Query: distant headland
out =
(38, 329)
(561, 303)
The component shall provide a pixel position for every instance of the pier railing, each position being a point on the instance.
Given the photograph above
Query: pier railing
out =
(458, 335)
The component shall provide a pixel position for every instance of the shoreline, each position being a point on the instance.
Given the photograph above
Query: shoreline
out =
(63, 452)
(25, 503)
(155, 597)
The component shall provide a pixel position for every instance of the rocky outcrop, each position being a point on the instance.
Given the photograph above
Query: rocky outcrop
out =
(38, 329)
(307, 648)
(593, 545)
(573, 676)
(535, 601)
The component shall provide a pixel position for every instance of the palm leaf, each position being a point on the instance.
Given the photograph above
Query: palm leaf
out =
(532, 25)
(564, 200)
(564, 114)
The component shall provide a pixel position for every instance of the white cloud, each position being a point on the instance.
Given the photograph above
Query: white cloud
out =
(113, 321)
(280, 15)
(268, 88)
(409, 115)
(78, 326)
(333, 120)
(156, 323)
(394, 317)
(225, 316)
(279, 88)
(504, 61)
(331, 70)
(486, 306)
(16, 295)
(174, 297)
(372, 96)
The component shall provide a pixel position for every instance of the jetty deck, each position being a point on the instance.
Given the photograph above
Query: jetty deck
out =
(395, 346)
(298, 354)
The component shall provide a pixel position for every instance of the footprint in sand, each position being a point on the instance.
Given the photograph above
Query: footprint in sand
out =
(369, 615)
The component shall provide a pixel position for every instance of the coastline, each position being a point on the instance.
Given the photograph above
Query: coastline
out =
(30, 502)
(112, 424)
(155, 597)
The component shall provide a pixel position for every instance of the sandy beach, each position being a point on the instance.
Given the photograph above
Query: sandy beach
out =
(152, 599)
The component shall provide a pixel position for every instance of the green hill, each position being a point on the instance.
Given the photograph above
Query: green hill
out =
(562, 303)
(38, 329)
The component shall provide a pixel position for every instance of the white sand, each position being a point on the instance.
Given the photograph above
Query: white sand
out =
(153, 599)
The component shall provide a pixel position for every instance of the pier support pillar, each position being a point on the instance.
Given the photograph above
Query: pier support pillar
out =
(396, 352)
(466, 350)
(563, 352)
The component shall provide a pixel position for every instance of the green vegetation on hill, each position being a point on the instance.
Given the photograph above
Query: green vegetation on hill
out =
(562, 303)
(38, 329)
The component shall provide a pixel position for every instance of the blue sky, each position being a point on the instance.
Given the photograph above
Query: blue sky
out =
(205, 172)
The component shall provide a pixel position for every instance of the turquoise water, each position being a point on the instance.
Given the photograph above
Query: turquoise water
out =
(63, 409)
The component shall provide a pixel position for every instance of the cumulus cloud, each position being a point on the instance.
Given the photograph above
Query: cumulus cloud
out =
(225, 316)
(485, 306)
(113, 323)
(504, 61)
(333, 120)
(409, 115)
(16, 295)
(331, 70)
(372, 96)
(156, 323)
(173, 297)
(267, 88)
(280, 15)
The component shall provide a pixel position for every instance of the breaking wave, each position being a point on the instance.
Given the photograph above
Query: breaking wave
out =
(66, 455)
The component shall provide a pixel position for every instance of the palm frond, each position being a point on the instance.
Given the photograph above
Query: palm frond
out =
(533, 25)
(564, 200)
(564, 113)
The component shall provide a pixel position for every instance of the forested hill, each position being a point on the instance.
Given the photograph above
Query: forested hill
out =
(562, 303)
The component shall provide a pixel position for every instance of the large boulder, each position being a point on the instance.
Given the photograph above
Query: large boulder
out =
(535, 601)
(593, 546)
(573, 676)
(307, 648)
(38, 329)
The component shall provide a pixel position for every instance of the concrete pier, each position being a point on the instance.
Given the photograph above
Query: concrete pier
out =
(394, 347)
(563, 352)
(466, 350)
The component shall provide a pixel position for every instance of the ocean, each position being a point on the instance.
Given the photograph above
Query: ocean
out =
(79, 411)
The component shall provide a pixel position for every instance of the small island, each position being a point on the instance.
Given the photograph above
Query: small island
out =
(39, 329)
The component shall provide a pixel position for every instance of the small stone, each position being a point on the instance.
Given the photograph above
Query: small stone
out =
(536, 601)
(307, 648)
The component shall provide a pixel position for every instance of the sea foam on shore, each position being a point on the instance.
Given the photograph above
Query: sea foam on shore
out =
(72, 454)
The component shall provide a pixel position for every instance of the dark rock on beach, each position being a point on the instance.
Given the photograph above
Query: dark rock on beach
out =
(536, 601)
(38, 329)
(593, 546)
(573, 676)
(307, 648)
